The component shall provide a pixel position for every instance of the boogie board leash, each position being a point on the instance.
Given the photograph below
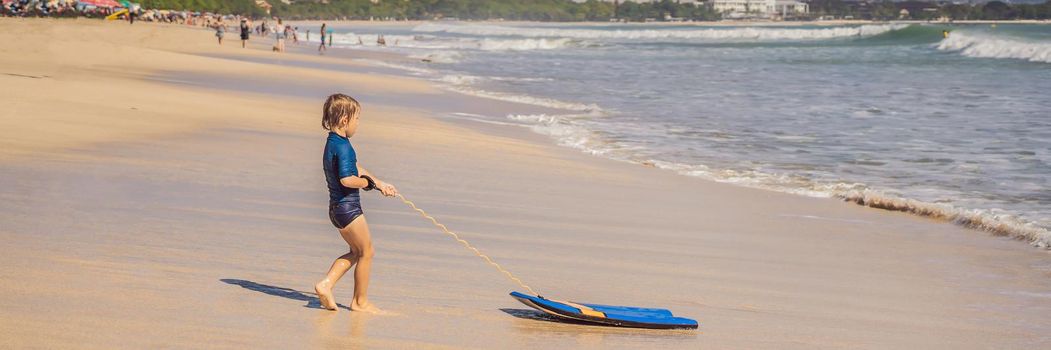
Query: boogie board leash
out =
(468, 245)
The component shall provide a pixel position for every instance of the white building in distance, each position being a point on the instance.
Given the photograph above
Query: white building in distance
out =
(695, 2)
(790, 8)
(759, 8)
(744, 8)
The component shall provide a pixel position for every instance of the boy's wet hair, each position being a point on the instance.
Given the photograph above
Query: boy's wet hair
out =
(336, 107)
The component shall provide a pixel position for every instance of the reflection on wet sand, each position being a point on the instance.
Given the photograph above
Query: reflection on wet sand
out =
(530, 323)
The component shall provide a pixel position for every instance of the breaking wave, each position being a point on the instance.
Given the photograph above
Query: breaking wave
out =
(488, 44)
(998, 224)
(759, 33)
(561, 129)
(991, 46)
(568, 130)
(522, 44)
(465, 79)
(427, 42)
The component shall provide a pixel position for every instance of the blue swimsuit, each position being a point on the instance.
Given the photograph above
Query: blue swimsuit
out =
(344, 203)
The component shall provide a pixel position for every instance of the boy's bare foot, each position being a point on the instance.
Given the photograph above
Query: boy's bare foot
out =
(324, 293)
(367, 307)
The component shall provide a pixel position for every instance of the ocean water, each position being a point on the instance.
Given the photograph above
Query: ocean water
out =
(893, 116)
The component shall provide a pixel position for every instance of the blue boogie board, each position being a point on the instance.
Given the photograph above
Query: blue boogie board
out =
(622, 316)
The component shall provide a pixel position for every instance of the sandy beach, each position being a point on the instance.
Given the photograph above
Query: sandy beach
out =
(159, 190)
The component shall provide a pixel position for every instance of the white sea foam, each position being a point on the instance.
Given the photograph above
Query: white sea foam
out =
(986, 220)
(568, 131)
(410, 69)
(479, 119)
(760, 33)
(522, 44)
(990, 46)
(445, 43)
(464, 79)
(520, 79)
(459, 79)
(370, 40)
(560, 128)
(489, 44)
(526, 99)
(992, 221)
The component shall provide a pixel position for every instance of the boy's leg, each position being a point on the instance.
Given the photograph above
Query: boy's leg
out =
(357, 235)
(338, 269)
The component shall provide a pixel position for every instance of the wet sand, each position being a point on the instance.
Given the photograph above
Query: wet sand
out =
(161, 191)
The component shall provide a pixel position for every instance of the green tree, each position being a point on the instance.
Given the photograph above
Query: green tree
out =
(996, 10)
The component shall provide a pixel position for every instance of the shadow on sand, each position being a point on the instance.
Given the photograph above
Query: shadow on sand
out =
(593, 329)
(288, 293)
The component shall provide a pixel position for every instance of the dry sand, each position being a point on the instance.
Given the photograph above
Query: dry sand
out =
(157, 190)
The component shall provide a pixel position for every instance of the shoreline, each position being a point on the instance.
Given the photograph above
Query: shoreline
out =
(837, 22)
(759, 269)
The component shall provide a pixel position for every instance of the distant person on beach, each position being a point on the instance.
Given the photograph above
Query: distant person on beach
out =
(279, 34)
(345, 178)
(245, 30)
(380, 41)
(322, 47)
(220, 30)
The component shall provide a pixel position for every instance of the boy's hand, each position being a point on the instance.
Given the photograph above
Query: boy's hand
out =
(387, 189)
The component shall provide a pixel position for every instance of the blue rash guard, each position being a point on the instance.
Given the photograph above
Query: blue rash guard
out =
(340, 161)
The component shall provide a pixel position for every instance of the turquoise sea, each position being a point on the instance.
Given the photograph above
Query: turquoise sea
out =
(896, 116)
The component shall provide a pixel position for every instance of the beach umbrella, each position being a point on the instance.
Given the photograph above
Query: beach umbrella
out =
(100, 3)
